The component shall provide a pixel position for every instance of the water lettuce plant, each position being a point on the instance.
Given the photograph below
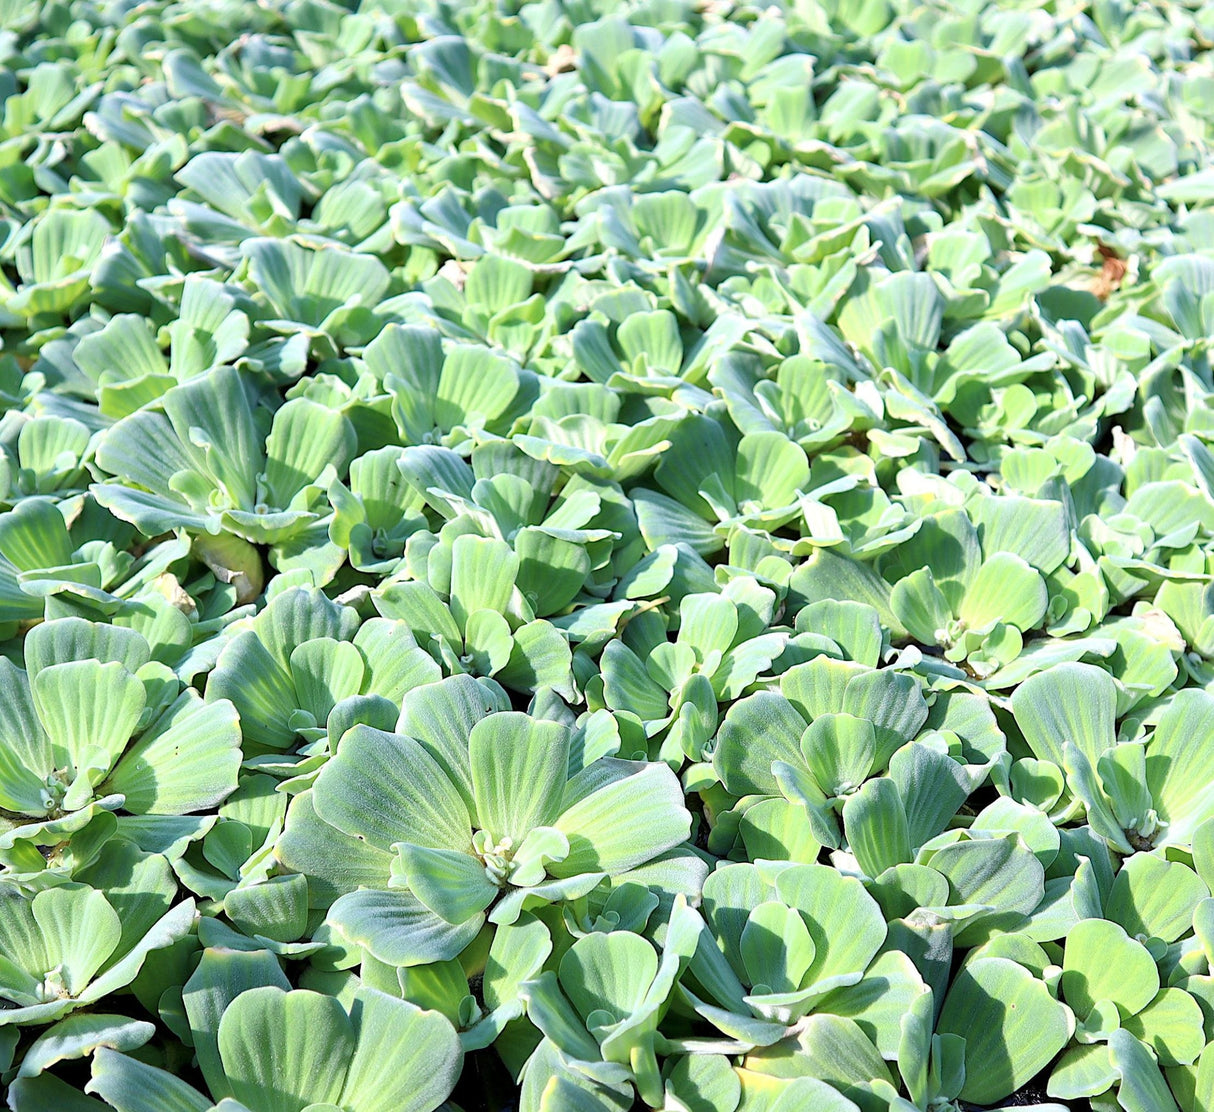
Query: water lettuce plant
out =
(600, 555)
(92, 724)
(71, 944)
(477, 814)
(203, 466)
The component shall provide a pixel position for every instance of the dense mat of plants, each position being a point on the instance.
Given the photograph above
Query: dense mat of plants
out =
(603, 554)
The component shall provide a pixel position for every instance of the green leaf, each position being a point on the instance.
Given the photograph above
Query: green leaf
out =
(628, 685)
(488, 641)
(757, 730)
(665, 521)
(453, 885)
(1153, 897)
(540, 657)
(1086, 785)
(517, 953)
(304, 438)
(828, 1049)
(129, 1085)
(89, 710)
(386, 788)
(172, 926)
(598, 842)
(823, 897)
(776, 829)
(441, 717)
(551, 571)
(298, 614)
(948, 544)
(1067, 702)
(46, 1093)
(25, 755)
(893, 702)
(653, 337)
(261, 689)
(285, 1050)
(80, 1035)
(139, 886)
(853, 626)
(405, 1059)
(73, 639)
(839, 750)
(1011, 1025)
(1203, 1094)
(921, 607)
(771, 470)
(393, 666)
(34, 535)
(708, 623)
(704, 1083)
(221, 976)
(776, 948)
(213, 416)
(325, 672)
(478, 388)
(888, 991)
(276, 909)
(1001, 873)
(826, 576)
(1005, 589)
(1180, 785)
(80, 931)
(333, 861)
(1171, 1025)
(397, 928)
(1034, 530)
(932, 786)
(875, 822)
(608, 972)
(186, 761)
(519, 768)
(1143, 1088)
(483, 572)
(1083, 1071)
(1101, 962)
(306, 285)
